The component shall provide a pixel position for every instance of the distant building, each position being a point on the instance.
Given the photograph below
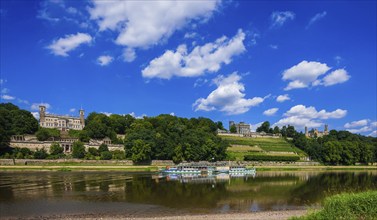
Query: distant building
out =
(314, 133)
(60, 122)
(241, 127)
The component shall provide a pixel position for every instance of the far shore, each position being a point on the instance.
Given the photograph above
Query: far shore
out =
(146, 168)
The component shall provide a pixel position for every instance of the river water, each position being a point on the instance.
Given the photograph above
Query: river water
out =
(94, 194)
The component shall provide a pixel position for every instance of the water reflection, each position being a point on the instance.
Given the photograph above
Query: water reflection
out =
(200, 194)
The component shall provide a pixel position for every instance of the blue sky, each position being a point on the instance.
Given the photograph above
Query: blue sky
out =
(298, 63)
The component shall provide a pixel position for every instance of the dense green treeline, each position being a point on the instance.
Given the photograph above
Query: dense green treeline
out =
(170, 137)
(14, 121)
(339, 147)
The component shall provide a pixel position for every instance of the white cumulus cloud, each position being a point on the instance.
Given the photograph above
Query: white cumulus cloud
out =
(228, 97)
(336, 77)
(278, 18)
(202, 59)
(104, 60)
(35, 106)
(354, 124)
(361, 126)
(63, 45)
(283, 98)
(72, 110)
(143, 24)
(129, 55)
(7, 97)
(373, 133)
(301, 116)
(270, 112)
(307, 73)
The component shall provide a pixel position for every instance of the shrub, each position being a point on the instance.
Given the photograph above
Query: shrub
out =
(78, 150)
(106, 155)
(93, 151)
(56, 149)
(118, 155)
(103, 148)
(261, 157)
(40, 154)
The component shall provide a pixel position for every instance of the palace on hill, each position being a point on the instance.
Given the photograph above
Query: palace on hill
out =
(60, 122)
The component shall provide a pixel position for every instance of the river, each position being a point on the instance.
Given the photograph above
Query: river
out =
(93, 194)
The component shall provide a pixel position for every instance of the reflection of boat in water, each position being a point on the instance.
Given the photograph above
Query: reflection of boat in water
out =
(204, 178)
(181, 170)
(202, 168)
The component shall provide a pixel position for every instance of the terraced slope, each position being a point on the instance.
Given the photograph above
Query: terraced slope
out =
(241, 146)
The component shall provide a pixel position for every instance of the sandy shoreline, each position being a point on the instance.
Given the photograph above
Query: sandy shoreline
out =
(263, 215)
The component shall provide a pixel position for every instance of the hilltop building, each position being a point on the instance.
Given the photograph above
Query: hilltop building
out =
(241, 127)
(60, 122)
(315, 133)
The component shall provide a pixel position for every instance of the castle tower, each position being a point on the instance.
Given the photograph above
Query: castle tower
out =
(306, 132)
(326, 132)
(231, 123)
(82, 119)
(42, 113)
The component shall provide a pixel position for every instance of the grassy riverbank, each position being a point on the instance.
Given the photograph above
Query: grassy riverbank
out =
(346, 206)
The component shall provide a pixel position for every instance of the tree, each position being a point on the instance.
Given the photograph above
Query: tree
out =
(291, 132)
(56, 149)
(40, 154)
(233, 129)
(78, 150)
(276, 130)
(44, 134)
(102, 148)
(220, 125)
(178, 154)
(106, 155)
(283, 131)
(265, 127)
(141, 151)
(93, 151)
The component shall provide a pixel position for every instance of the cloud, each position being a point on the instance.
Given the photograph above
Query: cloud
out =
(360, 130)
(2, 81)
(35, 106)
(129, 55)
(354, 124)
(278, 18)
(307, 73)
(311, 112)
(316, 18)
(202, 59)
(4, 90)
(104, 60)
(253, 127)
(106, 113)
(273, 46)
(62, 46)
(72, 110)
(136, 116)
(7, 97)
(200, 82)
(336, 77)
(270, 112)
(26, 102)
(143, 25)
(373, 133)
(228, 97)
(301, 116)
(35, 114)
(283, 98)
(361, 126)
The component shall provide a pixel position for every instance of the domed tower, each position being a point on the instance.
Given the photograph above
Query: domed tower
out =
(82, 118)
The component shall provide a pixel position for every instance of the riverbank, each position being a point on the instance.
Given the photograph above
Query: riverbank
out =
(154, 166)
(138, 168)
(265, 215)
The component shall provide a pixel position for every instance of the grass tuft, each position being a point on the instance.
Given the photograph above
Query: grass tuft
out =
(346, 206)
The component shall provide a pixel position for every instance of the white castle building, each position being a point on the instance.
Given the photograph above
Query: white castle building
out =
(60, 122)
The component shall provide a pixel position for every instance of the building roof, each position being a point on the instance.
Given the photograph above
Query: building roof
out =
(62, 116)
